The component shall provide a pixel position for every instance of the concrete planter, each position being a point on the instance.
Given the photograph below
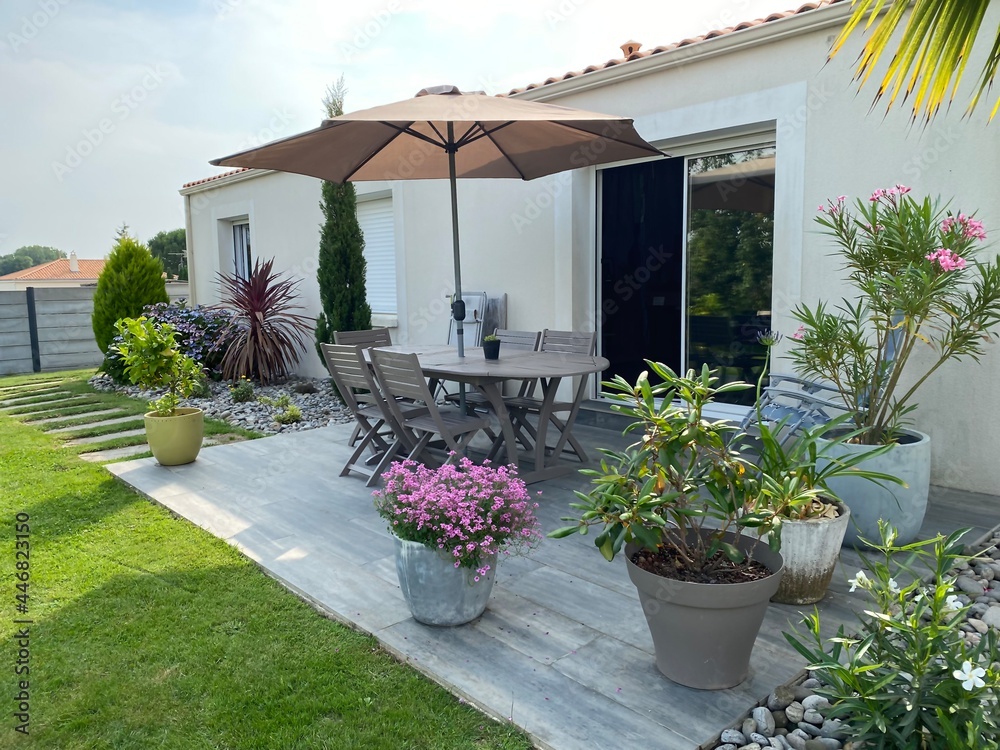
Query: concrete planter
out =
(437, 592)
(903, 507)
(703, 633)
(176, 439)
(810, 549)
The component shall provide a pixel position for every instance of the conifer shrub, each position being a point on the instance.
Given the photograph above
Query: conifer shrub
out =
(132, 278)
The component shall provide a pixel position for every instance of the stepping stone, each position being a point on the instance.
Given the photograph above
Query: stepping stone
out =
(102, 423)
(19, 401)
(104, 438)
(49, 405)
(83, 415)
(115, 453)
(30, 387)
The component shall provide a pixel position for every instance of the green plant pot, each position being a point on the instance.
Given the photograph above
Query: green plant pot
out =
(703, 633)
(176, 439)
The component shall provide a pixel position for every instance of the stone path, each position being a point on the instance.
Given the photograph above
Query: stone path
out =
(15, 398)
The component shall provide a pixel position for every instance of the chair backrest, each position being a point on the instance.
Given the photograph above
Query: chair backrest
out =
(401, 377)
(521, 340)
(569, 342)
(351, 374)
(364, 339)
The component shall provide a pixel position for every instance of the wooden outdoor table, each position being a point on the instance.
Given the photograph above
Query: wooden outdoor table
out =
(487, 376)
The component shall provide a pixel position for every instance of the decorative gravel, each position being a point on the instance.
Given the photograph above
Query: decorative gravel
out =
(795, 717)
(314, 396)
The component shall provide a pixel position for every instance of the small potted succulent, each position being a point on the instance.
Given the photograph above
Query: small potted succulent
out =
(154, 361)
(450, 524)
(680, 501)
(491, 347)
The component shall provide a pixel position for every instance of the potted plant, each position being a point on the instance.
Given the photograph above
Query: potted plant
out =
(908, 676)
(808, 519)
(153, 360)
(678, 500)
(450, 524)
(916, 287)
(491, 347)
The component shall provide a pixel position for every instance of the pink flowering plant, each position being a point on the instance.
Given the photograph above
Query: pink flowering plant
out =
(917, 284)
(469, 512)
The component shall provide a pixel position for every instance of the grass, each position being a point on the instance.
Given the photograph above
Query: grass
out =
(149, 632)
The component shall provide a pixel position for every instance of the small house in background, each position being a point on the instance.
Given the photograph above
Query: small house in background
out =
(681, 259)
(65, 272)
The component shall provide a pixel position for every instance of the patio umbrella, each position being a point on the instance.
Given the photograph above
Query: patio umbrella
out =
(445, 133)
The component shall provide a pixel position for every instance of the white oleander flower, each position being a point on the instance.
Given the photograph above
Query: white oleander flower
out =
(970, 678)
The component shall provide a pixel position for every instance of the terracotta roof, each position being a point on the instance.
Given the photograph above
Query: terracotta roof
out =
(58, 270)
(215, 177)
(683, 43)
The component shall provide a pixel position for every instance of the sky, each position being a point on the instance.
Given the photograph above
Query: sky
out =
(107, 107)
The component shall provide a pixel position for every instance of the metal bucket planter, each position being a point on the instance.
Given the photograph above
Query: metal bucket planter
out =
(703, 633)
(903, 507)
(437, 592)
(176, 439)
(810, 549)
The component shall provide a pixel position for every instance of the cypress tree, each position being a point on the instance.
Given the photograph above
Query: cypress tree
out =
(341, 267)
(132, 278)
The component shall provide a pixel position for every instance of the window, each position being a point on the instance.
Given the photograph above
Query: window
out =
(376, 220)
(242, 259)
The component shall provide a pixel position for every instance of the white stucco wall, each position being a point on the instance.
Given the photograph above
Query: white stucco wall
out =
(536, 241)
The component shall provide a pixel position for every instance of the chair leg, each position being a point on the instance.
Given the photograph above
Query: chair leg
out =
(354, 435)
(383, 464)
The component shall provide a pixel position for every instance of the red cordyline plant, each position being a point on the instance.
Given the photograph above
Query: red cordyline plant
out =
(916, 284)
(468, 512)
(265, 336)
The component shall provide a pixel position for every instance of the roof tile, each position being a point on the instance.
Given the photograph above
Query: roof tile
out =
(58, 270)
(714, 34)
(203, 180)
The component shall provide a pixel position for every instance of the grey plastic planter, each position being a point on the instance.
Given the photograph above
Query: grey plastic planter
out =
(903, 507)
(437, 592)
(703, 633)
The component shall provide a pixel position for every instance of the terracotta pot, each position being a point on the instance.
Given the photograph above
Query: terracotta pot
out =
(903, 507)
(810, 549)
(176, 439)
(703, 633)
(437, 592)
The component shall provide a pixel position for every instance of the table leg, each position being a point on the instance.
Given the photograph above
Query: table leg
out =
(492, 393)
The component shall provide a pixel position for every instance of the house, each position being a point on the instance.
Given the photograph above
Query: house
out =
(755, 121)
(64, 272)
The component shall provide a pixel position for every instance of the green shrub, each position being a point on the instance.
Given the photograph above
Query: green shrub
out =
(241, 391)
(287, 411)
(131, 279)
(153, 360)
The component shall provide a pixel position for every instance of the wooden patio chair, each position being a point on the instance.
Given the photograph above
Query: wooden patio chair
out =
(366, 339)
(567, 342)
(401, 379)
(379, 430)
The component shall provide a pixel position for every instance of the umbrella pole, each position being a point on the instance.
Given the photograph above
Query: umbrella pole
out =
(457, 305)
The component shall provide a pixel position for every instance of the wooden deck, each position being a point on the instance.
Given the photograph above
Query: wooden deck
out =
(562, 651)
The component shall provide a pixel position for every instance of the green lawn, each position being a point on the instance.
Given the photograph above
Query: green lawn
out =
(150, 633)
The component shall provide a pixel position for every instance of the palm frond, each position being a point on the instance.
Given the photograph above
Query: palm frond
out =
(932, 53)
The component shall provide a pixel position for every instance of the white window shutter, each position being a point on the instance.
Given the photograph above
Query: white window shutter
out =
(376, 221)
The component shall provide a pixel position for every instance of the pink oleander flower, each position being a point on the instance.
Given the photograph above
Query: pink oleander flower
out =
(946, 259)
(800, 333)
(469, 512)
(902, 189)
(878, 194)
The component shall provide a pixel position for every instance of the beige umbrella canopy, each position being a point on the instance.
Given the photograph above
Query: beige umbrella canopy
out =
(444, 133)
